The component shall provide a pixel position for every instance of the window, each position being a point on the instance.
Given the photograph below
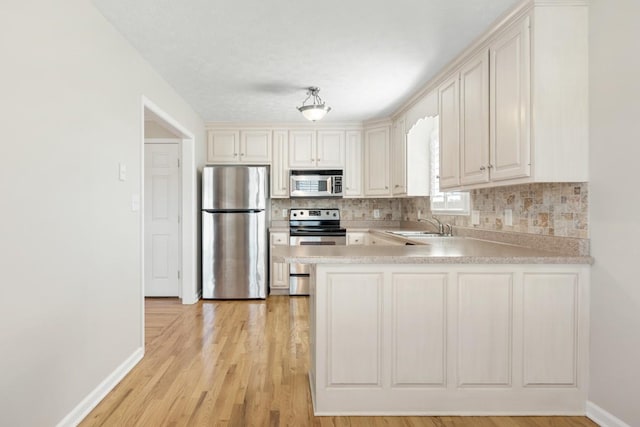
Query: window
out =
(450, 203)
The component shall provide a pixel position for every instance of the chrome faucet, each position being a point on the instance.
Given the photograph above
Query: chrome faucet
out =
(449, 227)
(435, 222)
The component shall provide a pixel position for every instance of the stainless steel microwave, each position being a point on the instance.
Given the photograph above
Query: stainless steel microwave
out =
(315, 183)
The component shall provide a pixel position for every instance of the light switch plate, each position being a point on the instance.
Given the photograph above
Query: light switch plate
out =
(475, 217)
(135, 202)
(376, 213)
(508, 217)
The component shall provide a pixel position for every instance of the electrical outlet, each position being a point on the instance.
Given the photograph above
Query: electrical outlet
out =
(122, 171)
(508, 217)
(475, 217)
(419, 214)
(376, 213)
(284, 213)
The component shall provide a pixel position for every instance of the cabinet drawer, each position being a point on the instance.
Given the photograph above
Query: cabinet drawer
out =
(355, 239)
(280, 239)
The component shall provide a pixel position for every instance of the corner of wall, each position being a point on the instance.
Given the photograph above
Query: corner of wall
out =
(602, 417)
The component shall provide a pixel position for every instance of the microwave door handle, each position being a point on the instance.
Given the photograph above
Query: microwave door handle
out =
(330, 185)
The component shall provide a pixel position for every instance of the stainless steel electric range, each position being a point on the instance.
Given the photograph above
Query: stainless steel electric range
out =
(312, 227)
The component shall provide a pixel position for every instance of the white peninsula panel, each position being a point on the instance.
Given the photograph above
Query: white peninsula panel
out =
(454, 339)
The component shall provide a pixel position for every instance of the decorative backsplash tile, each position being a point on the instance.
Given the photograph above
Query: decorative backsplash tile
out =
(350, 209)
(552, 209)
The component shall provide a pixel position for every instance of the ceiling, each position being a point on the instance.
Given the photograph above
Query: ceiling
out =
(252, 60)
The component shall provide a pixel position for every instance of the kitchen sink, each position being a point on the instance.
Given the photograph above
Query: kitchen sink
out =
(415, 233)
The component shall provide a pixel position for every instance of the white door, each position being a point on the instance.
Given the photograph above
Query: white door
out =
(161, 219)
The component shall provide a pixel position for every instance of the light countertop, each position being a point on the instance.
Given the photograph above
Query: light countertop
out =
(439, 250)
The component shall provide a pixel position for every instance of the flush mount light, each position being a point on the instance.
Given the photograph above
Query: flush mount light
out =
(317, 109)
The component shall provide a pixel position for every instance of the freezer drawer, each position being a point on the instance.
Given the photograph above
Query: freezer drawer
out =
(234, 255)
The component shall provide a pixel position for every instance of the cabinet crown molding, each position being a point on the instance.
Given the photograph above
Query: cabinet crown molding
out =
(283, 126)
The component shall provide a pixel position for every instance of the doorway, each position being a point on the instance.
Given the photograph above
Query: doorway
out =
(159, 127)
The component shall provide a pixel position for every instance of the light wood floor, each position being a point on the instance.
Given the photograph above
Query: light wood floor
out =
(241, 363)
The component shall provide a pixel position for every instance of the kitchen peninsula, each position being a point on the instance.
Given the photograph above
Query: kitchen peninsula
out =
(457, 326)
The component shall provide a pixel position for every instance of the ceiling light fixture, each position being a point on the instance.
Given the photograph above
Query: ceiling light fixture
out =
(317, 109)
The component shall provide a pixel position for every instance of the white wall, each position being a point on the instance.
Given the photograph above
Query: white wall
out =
(70, 108)
(615, 207)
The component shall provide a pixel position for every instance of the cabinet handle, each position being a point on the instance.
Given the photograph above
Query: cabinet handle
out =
(235, 154)
(241, 154)
(490, 166)
(397, 186)
(386, 188)
(482, 168)
(283, 188)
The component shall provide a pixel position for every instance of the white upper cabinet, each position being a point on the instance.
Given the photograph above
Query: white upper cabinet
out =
(516, 110)
(321, 149)
(399, 158)
(449, 102)
(474, 120)
(509, 147)
(302, 149)
(242, 147)
(353, 165)
(279, 166)
(223, 147)
(376, 162)
(330, 152)
(255, 146)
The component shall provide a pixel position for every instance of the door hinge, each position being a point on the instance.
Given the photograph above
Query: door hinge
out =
(178, 274)
(178, 162)
(178, 219)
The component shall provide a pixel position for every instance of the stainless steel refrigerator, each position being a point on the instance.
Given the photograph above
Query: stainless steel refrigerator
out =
(235, 202)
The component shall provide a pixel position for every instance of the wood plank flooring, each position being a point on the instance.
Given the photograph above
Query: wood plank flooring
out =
(241, 363)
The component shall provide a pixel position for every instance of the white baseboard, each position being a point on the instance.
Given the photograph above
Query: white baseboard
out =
(602, 417)
(87, 404)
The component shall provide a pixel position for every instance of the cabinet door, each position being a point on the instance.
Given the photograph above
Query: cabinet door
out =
(376, 162)
(449, 107)
(223, 146)
(302, 149)
(510, 104)
(279, 270)
(399, 159)
(279, 165)
(330, 149)
(353, 165)
(474, 120)
(255, 146)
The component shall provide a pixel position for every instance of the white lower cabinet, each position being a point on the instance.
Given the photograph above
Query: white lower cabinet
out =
(279, 282)
(456, 339)
(356, 238)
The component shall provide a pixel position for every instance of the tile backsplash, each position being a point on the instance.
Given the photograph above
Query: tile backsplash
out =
(552, 209)
(350, 209)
